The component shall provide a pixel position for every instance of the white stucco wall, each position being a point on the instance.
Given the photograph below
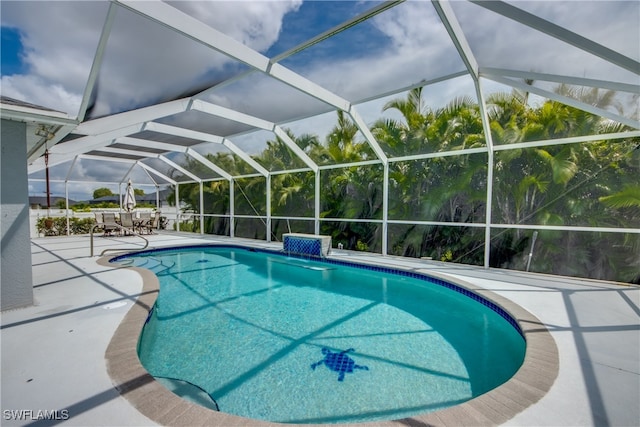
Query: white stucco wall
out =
(15, 265)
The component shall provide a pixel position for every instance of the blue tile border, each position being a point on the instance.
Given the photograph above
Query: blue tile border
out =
(302, 245)
(375, 268)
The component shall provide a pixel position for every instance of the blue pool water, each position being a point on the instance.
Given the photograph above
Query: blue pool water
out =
(270, 337)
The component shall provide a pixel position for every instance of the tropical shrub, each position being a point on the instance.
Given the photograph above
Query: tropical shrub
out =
(57, 226)
(586, 184)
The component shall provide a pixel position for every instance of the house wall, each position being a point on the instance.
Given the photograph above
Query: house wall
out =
(15, 265)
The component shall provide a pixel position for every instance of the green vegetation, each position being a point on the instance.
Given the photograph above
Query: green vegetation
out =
(589, 184)
(58, 226)
(87, 207)
(102, 192)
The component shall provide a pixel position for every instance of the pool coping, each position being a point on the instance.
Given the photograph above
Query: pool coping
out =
(530, 383)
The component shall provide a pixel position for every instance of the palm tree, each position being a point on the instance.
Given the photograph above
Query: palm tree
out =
(409, 136)
(418, 188)
(350, 192)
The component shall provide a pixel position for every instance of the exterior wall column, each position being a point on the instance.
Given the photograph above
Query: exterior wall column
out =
(16, 274)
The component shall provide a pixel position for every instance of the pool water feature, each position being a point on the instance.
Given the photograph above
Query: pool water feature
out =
(295, 340)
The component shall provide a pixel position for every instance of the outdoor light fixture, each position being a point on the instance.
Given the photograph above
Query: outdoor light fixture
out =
(45, 132)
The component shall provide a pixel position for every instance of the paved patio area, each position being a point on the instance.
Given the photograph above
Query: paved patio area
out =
(53, 353)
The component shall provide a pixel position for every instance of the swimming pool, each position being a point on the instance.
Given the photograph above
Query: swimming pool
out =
(270, 337)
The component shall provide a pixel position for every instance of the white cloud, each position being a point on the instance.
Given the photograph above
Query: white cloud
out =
(143, 61)
(613, 24)
(419, 49)
(500, 42)
(57, 60)
(40, 92)
(257, 24)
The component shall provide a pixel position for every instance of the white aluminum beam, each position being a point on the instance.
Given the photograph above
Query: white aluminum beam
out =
(151, 156)
(134, 117)
(568, 228)
(570, 80)
(244, 156)
(115, 150)
(316, 204)
(103, 131)
(185, 133)
(232, 209)
(486, 125)
(239, 117)
(73, 163)
(290, 171)
(202, 159)
(126, 175)
(93, 142)
(62, 181)
(155, 172)
(105, 159)
(268, 209)
(451, 24)
(97, 62)
(296, 81)
(179, 168)
(438, 154)
(236, 116)
(147, 143)
(560, 33)
(421, 83)
(66, 206)
(62, 153)
(202, 136)
(382, 7)
(570, 140)
(355, 116)
(191, 27)
(348, 165)
(176, 192)
(154, 183)
(295, 148)
(201, 208)
(385, 210)
(179, 21)
(568, 101)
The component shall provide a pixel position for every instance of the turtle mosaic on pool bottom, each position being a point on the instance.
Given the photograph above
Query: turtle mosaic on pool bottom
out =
(338, 362)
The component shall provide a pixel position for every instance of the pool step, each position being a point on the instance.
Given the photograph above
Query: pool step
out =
(189, 391)
(155, 265)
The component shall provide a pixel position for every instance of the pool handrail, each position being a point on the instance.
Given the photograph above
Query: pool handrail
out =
(128, 230)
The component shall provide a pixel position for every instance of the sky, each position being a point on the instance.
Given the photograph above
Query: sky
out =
(45, 63)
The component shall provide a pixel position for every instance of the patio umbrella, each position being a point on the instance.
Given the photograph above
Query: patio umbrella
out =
(129, 198)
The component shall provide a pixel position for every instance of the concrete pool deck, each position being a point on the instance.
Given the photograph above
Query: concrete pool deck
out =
(53, 353)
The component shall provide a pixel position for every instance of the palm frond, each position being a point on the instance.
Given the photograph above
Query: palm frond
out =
(627, 198)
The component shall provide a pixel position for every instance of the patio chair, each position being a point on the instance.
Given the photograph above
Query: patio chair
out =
(126, 221)
(143, 220)
(99, 221)
(109, 224)
(153, 223)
